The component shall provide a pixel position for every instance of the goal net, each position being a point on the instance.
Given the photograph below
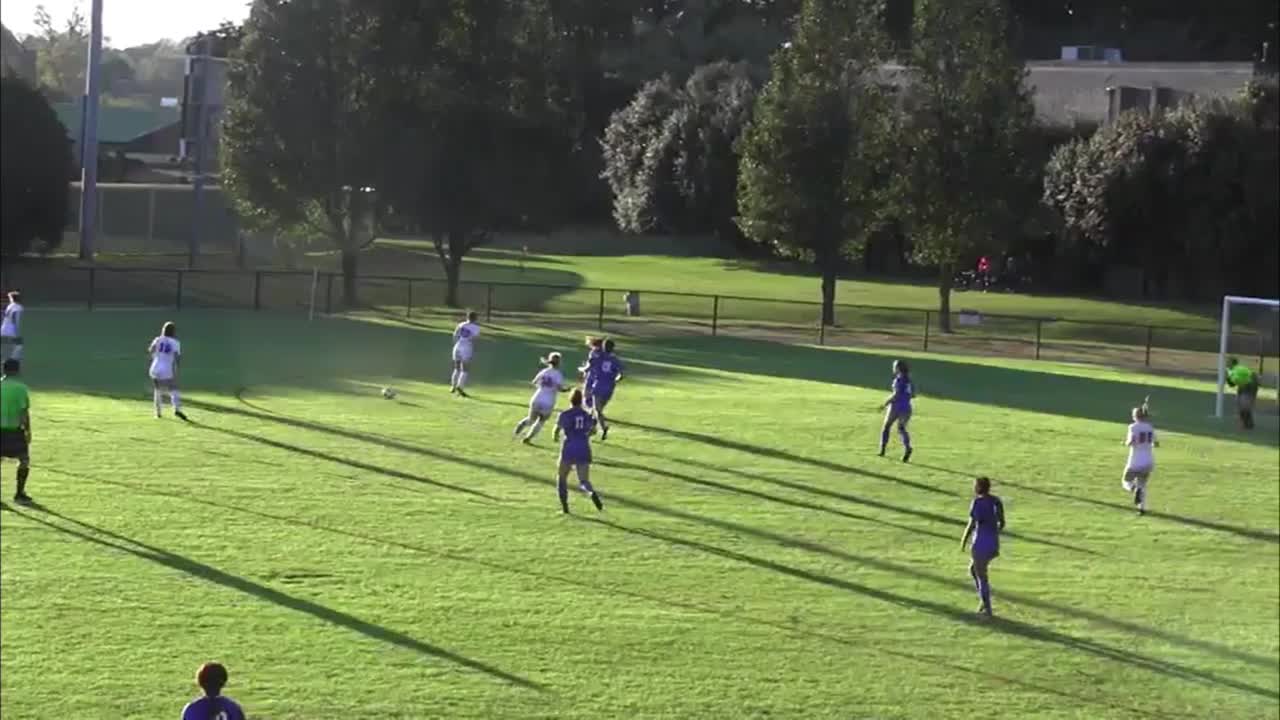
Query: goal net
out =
(1250, 333)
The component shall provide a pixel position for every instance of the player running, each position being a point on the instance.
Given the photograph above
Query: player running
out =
(1140, 440)
(463, 338)
(899, 409)
(595, 347)
(1245, 381)
(15, 425)
(212, 677)
(549, 382)
(986, 522)
(11, 326)
(577, 425)
(166, 355)
(604, 378)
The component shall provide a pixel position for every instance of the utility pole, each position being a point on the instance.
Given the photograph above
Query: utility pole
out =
(89, 139)
(199, 69)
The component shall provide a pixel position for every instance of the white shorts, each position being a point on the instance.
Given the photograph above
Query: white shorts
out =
(1136, 477)
(161, 375)
(541, 406)
(461, 353)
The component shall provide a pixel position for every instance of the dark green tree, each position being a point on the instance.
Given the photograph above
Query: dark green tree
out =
(670, 156)
(300, 123)
(813, 157)
(35, 170)
(964, 138)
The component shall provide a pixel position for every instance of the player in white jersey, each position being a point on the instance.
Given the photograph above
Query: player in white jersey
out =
(464, 337)
(549, 382)
(1141, 441)
(166, 355)
(11, 326)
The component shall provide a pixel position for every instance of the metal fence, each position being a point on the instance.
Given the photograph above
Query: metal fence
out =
(1183, 350)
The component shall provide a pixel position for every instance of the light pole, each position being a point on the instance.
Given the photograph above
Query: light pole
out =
(89, 138)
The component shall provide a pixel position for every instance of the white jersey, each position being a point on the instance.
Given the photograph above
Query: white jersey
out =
(463, 337)
(11, 326)
(165, 352)
(548, 382)
(1141, 441)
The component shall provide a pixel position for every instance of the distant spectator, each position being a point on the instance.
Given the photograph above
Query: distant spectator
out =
(211, 677)
(984, 271)
(632, 299)
(1245, 381)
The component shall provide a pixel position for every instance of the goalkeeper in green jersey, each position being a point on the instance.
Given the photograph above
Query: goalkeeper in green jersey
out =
(1245, 381)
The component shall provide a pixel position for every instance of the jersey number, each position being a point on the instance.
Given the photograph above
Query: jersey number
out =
(579, 423)
(464, 333)
(164, 347)
(548, 383)
(606, 366)
(1144, 438)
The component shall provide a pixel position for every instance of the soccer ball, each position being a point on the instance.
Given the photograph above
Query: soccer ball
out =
(388, 393)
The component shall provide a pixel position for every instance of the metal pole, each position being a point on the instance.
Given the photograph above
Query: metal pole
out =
(89, 137)
(927, 313)
(715, 315)
(1222, 354)
(202, 137)
(600, 319)
(408, 301)
(1039, 325)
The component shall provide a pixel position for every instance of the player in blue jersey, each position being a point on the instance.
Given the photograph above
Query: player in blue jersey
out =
(605, 376)
(212, 677)
(986, 522)
(576, 425)
(899, 409)
(586, 371)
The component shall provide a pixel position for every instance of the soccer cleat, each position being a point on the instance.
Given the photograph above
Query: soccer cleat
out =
(906, 456)
(604, 434)
(595, 498)
(881, 451)
(181, 416)
(23, 499)
(461, 392)
(527, 441)
(564, 508)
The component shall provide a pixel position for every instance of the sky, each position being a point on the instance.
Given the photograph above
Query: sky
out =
(127, 23)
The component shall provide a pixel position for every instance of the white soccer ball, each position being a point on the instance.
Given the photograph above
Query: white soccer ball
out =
(388, 393)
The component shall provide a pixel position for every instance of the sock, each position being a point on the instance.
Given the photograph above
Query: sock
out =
(906, 438)
(1140, 498)
(16, 353)
(175, 400)
(537, 427)
(884, 438)
(462, 379)
(977, 584)
(1248, 419)
(453, 379)
(585, 486)
(520, 426)
(157, 396)
(984, 592)
(604, 424)
(562, 489)
(23, 472)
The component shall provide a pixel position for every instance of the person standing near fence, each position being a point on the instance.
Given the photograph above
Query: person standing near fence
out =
(211, 678)
(11, 326)
(1246, 382)
(15, 426)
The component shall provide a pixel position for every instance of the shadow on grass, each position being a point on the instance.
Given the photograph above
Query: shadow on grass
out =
(113, 541)
(776, 538)
(1179, 409)
(868, 502)
(661, 601)
(949, 612)
(1244, 532)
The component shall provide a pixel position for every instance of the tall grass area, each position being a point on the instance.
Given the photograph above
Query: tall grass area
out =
(350, 556)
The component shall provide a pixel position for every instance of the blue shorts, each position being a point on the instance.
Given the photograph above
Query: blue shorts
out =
(575, 455)
(984, 552)
(898, 415)
(601, 397)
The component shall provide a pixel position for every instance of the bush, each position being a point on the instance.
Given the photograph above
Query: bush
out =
(35, 170)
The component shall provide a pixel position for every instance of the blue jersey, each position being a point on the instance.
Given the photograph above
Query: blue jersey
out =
(576, 424)
(606, 372)
(589, 368)
(903, 391)
(219, 707)
(987, 513)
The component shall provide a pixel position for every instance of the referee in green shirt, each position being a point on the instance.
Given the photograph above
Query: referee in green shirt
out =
(1245, 381)
(15, 425)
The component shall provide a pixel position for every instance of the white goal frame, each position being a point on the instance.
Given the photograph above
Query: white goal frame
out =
(1227, 302)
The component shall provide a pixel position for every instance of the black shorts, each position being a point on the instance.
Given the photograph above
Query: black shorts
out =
(13, 444)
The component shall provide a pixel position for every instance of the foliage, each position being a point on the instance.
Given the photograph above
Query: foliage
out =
(35, 165)
(813, 157)
(669, 155)
(300, 121)
(965, 136)
(1190, 196)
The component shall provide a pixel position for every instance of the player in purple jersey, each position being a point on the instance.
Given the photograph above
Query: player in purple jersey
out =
(899, 409)
(986, 522)
(586, 374)
(212, 677)
(605, 376)
(577, 426)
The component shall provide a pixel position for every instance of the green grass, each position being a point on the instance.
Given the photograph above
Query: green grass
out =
(352, 557)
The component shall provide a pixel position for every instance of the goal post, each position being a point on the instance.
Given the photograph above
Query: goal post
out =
(1271, 306)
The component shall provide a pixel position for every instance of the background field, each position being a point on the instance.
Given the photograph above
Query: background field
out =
(353, 557)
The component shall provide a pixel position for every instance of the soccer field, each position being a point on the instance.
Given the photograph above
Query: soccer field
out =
(349, 556)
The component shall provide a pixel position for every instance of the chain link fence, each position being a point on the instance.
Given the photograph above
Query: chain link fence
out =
(1179, 350)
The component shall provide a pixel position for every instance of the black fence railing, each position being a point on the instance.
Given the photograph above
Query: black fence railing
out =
(1190, 350)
